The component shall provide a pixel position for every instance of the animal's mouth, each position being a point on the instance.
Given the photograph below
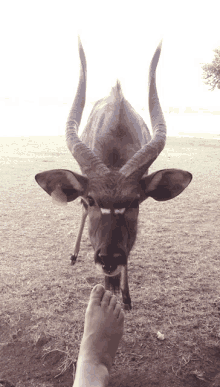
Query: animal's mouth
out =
(109, 272)
(111, 264)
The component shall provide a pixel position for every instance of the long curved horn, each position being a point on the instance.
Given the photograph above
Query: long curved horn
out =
(88, 161)
(143, 159)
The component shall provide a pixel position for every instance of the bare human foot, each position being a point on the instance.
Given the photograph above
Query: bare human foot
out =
(104, 322)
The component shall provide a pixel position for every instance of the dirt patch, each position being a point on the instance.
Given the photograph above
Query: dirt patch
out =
(27, 363)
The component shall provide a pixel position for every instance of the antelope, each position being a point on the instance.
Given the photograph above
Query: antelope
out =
(114, 153)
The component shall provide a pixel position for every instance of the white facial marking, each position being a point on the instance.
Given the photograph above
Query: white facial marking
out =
(105, 210)
(116, 210)
(119, 210)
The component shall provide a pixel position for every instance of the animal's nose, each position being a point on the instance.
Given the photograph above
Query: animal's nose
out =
(107, 263)
(109, 268)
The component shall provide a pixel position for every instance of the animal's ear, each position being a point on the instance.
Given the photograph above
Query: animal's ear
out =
(62, 185)
(165, 184)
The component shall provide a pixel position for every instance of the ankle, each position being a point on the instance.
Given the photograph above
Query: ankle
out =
(96, 359)
(89, 373)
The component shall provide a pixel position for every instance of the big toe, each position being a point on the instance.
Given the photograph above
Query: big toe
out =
(97, 294)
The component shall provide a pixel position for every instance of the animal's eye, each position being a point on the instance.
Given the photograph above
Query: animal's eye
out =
(91, 201)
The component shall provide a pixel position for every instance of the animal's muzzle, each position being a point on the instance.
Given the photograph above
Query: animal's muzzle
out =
(110, 264)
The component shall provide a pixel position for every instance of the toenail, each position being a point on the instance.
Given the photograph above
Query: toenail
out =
(98, 288)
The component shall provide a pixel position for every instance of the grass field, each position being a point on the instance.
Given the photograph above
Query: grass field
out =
(174, 274)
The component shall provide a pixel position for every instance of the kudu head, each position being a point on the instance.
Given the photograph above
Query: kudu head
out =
(112, 195)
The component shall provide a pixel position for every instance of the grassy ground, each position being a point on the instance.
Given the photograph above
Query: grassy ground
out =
(174, 272)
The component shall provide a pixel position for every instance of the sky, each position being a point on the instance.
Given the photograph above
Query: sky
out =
(39, 68)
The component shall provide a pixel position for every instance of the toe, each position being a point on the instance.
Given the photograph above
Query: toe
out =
(118, 309)
(121, 316)
(113, 302)
(106, 298)
(97, 294)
